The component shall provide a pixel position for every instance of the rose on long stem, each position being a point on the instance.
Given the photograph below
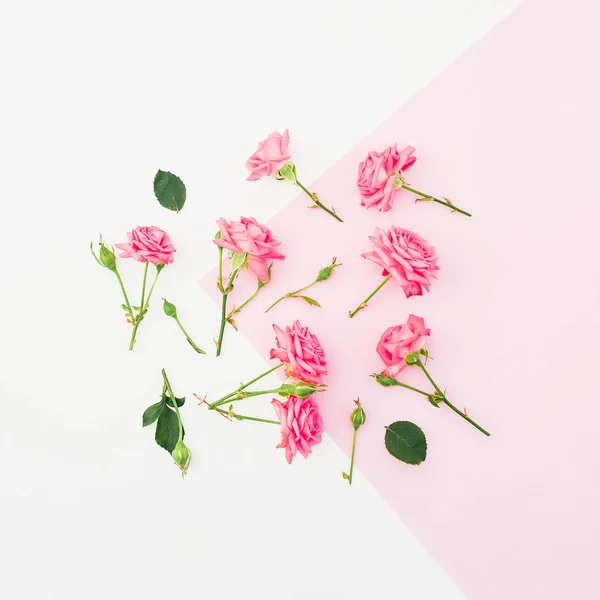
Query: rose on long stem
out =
(363, 304)
(323, 275)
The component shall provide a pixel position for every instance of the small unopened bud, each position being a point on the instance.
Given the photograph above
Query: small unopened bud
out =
(412, 358)
(300, 389)
(358, 417)
(182, 456)
(288, 171)
(107, 258)
(170, 309)
(326, 272)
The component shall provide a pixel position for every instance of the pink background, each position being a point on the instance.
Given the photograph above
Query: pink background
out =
(511, 133)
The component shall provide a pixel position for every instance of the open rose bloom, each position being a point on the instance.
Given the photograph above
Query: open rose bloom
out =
(301, 352)
(406, 256)
(377, 176)
(247, 236)
(301, 425)
(271, 155)
(148, 244)
(400, 340)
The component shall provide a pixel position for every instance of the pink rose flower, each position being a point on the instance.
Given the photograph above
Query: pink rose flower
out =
(301, 352)
(377, 176)
(271, 155)
(406, 256)
(148, 244)
(400, 340)
(247, 236)
(301, 425)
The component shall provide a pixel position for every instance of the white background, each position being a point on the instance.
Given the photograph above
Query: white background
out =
(95, 98)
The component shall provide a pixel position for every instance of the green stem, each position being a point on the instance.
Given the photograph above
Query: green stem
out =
(174, 401)
(235, 311)
(363, 304)
(223, 321)
(225, 292)
(352, 458)
(188, 338)
(314, 198)
(410, 387)
(244, 386)
(442, 202)
(237, 396)
(127, 303)
(246, 418)
(290, 295)
(447, 402)
(143, 306)
(144, 285)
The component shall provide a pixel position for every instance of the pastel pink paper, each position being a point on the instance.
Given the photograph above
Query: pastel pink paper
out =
(510, 132)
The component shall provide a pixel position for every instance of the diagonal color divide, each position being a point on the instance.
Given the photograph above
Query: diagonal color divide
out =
(510, 132)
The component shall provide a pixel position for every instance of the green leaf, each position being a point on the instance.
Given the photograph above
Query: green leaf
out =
(152, 413)
(406, 442)
(180, 401)
(167, 430)
(169, 190)
(310, 301)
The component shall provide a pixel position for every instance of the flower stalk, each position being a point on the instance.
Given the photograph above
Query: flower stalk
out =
(358, 419)
(363, 304)
(324, 274)
(288, 171)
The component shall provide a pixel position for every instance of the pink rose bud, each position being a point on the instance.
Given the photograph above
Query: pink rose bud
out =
(401, 341)
(301, 352)
(406, 256)
(148, 244)
(247, 236)
(271, 155)
(378, 176)
(301, 425)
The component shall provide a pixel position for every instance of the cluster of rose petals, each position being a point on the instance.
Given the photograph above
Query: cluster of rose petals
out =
(400, 340)
(148, 244)
(377, 176)
(406, 256)
(301, 425)
(300, 350)
(270, 156)
(247, 236)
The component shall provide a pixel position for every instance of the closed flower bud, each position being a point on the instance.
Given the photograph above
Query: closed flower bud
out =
(107, 258)
(300, 389)
(182, 456)
(170, 309)
(358, 417)
(326, 272)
